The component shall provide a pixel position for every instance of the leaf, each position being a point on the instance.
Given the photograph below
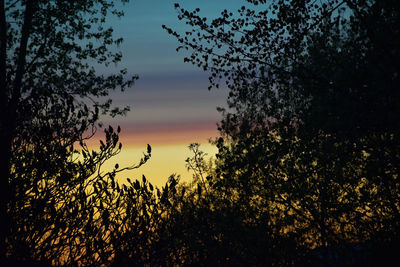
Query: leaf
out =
(148, 149)
(137, 185)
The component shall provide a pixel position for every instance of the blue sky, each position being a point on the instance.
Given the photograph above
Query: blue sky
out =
(148, 48)
(168, 88)
(170, 103)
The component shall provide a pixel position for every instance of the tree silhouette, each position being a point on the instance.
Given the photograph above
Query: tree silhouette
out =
(50, 103)
(309, 150)
(64, 204)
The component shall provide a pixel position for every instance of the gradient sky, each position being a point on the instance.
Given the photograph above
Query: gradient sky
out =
(170, 104)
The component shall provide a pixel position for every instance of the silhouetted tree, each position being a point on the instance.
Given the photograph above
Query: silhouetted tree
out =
(309, 150)
(50, 96)
(65, 207)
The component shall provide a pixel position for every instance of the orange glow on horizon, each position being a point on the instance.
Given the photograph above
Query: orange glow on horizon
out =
(168, 133)
(165, 160)
(169, 142)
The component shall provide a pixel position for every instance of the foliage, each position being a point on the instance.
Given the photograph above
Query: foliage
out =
(309, 150)
(65, 208)
(55, 197)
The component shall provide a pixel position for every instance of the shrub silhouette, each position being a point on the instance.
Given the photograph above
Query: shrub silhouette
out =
(309, 150)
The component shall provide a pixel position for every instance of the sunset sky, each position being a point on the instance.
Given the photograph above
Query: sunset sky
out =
(170, 104)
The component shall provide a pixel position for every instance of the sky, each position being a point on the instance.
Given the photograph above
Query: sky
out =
(171, 106)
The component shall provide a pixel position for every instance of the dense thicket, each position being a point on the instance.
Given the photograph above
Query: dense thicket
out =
(56, 200)
(308, 162)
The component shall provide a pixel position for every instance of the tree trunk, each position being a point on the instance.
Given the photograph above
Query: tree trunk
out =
(9, 104)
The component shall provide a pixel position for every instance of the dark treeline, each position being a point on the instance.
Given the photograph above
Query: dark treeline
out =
(307, 169)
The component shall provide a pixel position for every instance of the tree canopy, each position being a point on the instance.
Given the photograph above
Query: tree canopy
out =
(50, 105)
(309, 149)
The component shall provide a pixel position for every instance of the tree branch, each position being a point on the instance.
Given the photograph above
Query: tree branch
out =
(3, 56)
(16, 92)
